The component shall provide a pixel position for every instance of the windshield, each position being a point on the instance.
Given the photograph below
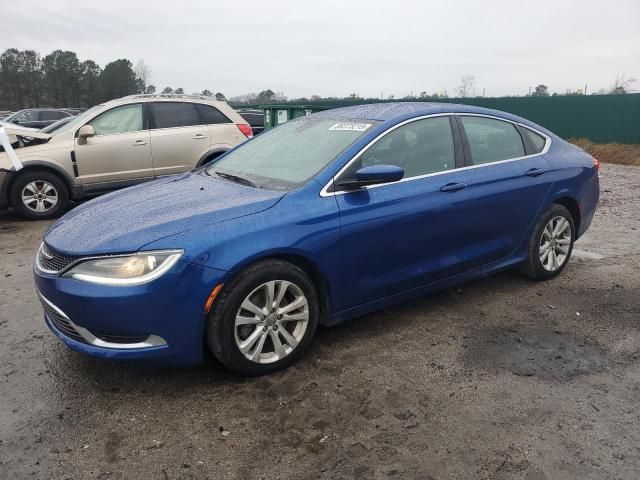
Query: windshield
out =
(289, 155)
(79, 120)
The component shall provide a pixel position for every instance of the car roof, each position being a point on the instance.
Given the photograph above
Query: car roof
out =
(394, 112)
(164, 98)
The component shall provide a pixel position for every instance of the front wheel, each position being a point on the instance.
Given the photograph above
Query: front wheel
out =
(39, 195)
(550, 245)
(264, 318)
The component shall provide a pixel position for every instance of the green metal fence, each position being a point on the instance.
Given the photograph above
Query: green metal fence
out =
(600, 118)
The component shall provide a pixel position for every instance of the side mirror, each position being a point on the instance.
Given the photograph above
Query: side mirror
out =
(85, 132)
(373, 175)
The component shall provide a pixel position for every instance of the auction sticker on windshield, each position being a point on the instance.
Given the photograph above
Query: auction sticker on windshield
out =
(350, 126)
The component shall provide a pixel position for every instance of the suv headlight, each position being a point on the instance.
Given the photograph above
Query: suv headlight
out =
(125, 270)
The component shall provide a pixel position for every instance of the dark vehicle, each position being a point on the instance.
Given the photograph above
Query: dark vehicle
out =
(36, 117)
(255, 118)
(56, 125)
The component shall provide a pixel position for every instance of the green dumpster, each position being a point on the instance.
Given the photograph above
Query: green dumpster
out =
(274, 115)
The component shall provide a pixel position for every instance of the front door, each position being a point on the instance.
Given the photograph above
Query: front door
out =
(409, 233)
(120, 152)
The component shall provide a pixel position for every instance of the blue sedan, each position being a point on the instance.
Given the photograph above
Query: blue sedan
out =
(319, 220)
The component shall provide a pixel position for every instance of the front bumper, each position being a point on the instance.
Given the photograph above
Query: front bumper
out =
(162, 321)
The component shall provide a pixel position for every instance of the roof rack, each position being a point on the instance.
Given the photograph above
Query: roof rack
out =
(170, 95)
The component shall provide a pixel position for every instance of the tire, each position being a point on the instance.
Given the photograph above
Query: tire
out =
(559, 247)
(45, 187)
(225, 338)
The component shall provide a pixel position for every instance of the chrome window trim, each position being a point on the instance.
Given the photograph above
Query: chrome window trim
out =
(325, 190)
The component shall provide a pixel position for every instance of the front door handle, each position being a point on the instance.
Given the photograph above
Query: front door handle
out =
(534, 172)
(139, 143)
(453, 187)
(199, 136)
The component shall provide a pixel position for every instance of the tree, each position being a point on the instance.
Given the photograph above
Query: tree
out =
(266, 96)
(150, 89)
(118, 80)
(220, 97)
(466, 87)
(206, 93)
(179, 91)
(167, 90)
(143, 75)
(89, 82)
(541, 91)
(62, 72)
(622, 84)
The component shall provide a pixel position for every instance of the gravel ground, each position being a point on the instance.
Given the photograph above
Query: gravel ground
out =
(500, 378)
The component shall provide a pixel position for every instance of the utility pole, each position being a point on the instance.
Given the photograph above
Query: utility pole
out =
(529, 90)
(585, 88)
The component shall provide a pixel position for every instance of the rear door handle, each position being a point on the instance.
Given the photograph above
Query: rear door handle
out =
(139, 143)
(453, 187)
(534, 172)
(199, 136)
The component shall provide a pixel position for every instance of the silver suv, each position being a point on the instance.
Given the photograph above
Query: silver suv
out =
(117, 144)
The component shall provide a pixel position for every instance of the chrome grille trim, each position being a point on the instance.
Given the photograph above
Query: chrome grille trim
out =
(51, 262)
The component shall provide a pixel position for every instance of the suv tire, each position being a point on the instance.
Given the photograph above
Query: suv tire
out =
(38, 195)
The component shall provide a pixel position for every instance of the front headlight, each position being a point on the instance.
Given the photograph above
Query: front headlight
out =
(125, 270)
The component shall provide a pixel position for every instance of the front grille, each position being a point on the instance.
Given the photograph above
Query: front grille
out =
(61, 323)
(52, 261)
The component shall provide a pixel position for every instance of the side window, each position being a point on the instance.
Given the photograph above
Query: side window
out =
(127, 118)
(30, 116)
(174, 114)
(51, 115)
(538, 141)
(420, 147)
(492, 140)
(211, 115)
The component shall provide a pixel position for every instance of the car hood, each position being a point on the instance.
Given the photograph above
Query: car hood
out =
(127, 220)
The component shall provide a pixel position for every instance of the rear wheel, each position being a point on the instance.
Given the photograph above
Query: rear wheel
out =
(550, 245)
(264, 318)
(39, 195)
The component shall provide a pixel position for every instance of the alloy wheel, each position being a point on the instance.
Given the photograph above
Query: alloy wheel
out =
(39, 196)
(271, 321)
(555, 243)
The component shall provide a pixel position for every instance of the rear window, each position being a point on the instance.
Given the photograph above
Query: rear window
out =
(211, 115)
(492, 140)
(174, 114)
(537, 140)
(52, 115)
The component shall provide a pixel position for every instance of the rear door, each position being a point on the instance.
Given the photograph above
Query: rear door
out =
(179, 137)
(119, 154)
(508, 181)
(409, 233)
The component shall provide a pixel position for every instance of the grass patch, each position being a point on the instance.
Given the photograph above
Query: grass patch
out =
(620, 153)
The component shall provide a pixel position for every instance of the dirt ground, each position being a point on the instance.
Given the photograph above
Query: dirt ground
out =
(499, 378)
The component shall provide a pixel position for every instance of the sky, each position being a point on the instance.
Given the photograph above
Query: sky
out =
(338, 47)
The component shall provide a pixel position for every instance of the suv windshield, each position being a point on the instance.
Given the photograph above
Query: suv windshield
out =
(289, 155)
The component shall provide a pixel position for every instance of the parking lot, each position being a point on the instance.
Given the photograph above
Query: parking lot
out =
(499, 378)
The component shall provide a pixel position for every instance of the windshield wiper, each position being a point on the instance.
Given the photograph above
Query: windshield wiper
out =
(237, 179)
